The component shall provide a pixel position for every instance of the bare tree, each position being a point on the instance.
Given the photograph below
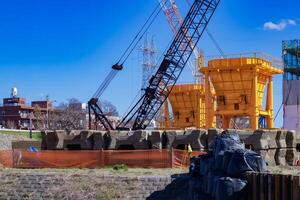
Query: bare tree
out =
(40, 118)
(69, 116)
(72, 116)
(109, 109)
(11, 125)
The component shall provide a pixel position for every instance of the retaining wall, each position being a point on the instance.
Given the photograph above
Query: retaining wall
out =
(83, 184)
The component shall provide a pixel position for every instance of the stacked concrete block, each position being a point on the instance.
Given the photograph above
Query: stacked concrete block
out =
(261, 141)
(129, 140)
(49, 140)
(156, 139)
(278, 147)
(268, 155)
(289, 146)
(168, 139)
(72, 140)
(196, 138)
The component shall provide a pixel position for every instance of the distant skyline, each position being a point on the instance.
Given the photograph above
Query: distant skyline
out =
(64, 49)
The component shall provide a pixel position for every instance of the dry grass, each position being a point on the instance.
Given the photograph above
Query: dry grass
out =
(291, 170)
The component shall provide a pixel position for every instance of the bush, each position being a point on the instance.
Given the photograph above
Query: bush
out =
(120, 167)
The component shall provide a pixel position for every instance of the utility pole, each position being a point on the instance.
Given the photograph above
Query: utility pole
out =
(149, 60)
(30, 125)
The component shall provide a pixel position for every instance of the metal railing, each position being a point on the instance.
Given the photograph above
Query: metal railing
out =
(275, 62)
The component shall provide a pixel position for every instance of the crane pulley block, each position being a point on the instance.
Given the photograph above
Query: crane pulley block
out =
(117, 67)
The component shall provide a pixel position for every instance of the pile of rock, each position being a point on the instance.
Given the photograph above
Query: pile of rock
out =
(221, 173)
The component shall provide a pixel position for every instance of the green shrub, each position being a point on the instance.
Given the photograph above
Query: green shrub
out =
(120, 167)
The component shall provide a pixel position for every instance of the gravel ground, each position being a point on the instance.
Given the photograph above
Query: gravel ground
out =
(6, 139)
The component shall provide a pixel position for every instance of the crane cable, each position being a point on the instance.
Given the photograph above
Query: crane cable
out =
(150, 19)
(211, 37)
(124, 57)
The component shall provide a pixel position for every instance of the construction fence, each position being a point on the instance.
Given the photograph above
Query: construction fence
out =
(96, 159)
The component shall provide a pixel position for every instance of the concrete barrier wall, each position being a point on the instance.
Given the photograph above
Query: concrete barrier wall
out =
(278, 147)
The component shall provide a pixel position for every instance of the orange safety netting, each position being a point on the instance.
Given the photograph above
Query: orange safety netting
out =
(96, 159)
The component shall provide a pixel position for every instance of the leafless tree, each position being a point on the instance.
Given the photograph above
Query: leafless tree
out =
(68, 115)
(10, 124)
(109, 109)
(39, 118)
(72, 116)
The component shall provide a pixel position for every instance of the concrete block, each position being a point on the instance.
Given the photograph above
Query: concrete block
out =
(291, 139)
(69, 140)
(280, 157)
(291, 156)
(168, 139)
(98, 140)
(281, 138)
(262, 139)
(128, 140)
(72, 140)
(244, 134)
(268, 156)
(155, 138)
(272, 138)
(49, 140)
(197, 138)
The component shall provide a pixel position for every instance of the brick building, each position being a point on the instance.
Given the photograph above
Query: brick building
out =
(16, 113)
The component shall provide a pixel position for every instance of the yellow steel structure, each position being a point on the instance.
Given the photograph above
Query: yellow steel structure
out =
(239, 82)
(188, 106)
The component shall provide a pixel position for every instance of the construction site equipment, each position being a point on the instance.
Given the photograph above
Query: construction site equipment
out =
(175, 20)
(93, 104)
(175, 59)
(239, 82)
(188, 106)
(191, 111)
(160, 85)
(291, 84)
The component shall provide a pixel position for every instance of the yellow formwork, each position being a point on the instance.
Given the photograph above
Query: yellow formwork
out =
(188, 106)
(239, 84)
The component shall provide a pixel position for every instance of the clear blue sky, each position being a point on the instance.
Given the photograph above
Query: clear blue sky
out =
(65, 48)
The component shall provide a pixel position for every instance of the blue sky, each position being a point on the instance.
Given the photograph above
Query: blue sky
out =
(64, 49)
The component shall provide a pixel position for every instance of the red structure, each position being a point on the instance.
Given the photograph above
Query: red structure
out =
(15, 113)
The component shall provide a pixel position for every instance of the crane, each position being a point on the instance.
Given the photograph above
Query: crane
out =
(161, 83)
(175, 20)
(171, 66)
(93, 102)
